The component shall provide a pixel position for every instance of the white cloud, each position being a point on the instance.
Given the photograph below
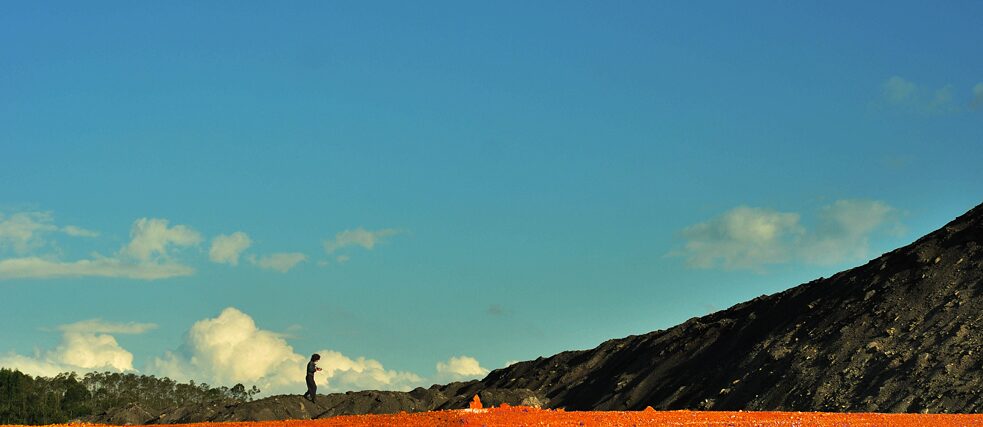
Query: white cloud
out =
(93, 351)
(898, 90)
(86, 346)
(358, 237)
(39, 268)
(977, 101)
(74, 231)
(151, 237)
(101, 326)
(751, 238)
(281, 262)
(231, 349)
(460, 368)
(743, 237)
(226, 249)
(35, 366)
(146, 257)
(344, 373)
(23, 231)
(341, 259)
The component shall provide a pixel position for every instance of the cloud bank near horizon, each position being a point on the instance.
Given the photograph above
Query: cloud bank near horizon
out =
(225, 350)
(231, 348)
(85, 346)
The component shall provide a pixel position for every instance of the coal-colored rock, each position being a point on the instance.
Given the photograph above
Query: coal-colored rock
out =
(438, 397)
(901, 333)
(131, 414)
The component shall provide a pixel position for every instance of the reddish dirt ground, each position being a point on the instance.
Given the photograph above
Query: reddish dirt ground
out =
(520, 416)
(524, 416)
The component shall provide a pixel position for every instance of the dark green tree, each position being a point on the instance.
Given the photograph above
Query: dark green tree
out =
(39, 400)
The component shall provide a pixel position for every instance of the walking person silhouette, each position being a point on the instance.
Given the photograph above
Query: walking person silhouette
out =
(311, 385)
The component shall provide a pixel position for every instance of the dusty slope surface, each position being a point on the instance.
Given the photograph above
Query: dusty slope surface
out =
(449, 396)
(899, 334)
(524, 416)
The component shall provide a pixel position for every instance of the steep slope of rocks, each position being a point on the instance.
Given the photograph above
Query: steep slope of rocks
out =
(899, 334)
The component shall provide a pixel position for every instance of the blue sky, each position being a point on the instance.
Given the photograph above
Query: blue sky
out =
(429, 191)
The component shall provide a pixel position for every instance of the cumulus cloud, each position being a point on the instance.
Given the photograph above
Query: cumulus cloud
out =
(358, 237)
(226, 248)
(281, 262)
(343, 373)
(35, 366)
(231, 349)
(145, 257)
(743, 237)
(93, 351)
(150, 238)
(86, 346)
(751, 238)
(460, 368)
(977, 101)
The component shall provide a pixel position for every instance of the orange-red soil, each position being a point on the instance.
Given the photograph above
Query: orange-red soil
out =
(521, 416)
(524, 416)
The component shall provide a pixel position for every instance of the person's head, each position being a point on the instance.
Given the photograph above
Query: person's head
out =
(315, 357)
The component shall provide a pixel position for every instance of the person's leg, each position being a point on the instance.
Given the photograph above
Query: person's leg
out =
(311, 388)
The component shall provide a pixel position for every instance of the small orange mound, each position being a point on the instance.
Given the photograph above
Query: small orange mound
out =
(476, 403)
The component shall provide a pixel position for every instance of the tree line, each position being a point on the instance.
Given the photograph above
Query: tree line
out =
(67, 396)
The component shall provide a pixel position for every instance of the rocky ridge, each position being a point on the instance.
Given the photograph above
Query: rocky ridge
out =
(438, 397)
(902, 333)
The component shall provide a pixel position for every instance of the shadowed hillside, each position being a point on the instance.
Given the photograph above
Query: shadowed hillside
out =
(899, 334)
